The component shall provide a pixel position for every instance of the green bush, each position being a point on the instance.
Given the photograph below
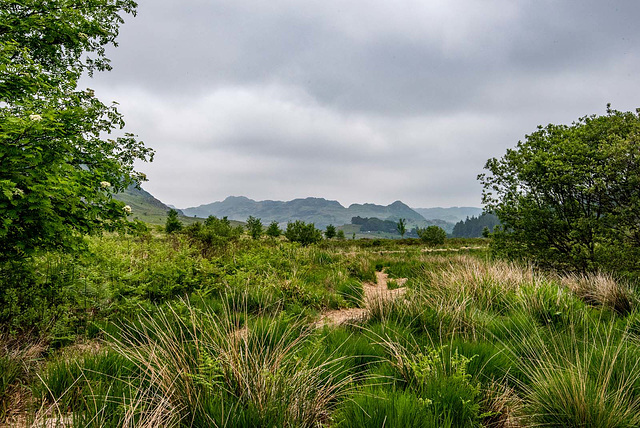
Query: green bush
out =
(432, 235)
(304, 233)
(173, 224)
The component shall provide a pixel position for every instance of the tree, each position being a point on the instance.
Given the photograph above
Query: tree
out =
(401, 226)
(57, 171)
(304, 233)
(330, 232)
(432, 235)
(254, 226)
(567, 195)
(274, 230)
(340, 235)
(173, 224)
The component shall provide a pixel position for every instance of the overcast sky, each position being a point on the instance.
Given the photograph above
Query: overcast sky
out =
(359, 101)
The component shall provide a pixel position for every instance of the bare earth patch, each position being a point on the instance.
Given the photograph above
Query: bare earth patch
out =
(372, 293)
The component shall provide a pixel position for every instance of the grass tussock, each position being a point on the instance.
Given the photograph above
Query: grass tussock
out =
(601, 289)
(17, 364)
(589, 378)
(204, 369)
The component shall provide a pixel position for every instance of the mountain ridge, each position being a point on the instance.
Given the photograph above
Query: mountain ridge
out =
(319, 211)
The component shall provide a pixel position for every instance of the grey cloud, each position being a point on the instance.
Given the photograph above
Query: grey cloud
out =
(359, 101)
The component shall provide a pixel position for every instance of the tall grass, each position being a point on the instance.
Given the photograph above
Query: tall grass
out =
(587, 377)
(602, 289)
(210, 370)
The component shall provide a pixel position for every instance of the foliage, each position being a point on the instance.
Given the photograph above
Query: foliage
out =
(214, 234)
(330, 232)
(57, 173)
(375, 225)
(340, 235)
(173, 224)
(274, 230)
(474, 227)
(304, 233)
(401, 226)
(254, 226)
(474, 340)
(567, 195)
(432, 235)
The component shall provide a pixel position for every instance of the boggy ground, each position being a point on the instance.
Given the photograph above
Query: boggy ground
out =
(342, 334)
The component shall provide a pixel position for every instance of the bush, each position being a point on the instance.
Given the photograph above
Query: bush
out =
(254, 226)
(432, 235)
(274, 230)
(172, 224)
(304, 233)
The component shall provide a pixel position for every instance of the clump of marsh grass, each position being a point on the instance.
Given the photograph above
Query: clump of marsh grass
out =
(601, 289)
(204, 369)
(17, 363)
(492, 286)
(586, 379)
(503, 406)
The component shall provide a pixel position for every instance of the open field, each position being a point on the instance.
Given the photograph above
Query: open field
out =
(147, 331)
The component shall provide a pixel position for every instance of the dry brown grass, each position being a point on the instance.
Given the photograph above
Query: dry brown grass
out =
(601, 289)
(504, 405)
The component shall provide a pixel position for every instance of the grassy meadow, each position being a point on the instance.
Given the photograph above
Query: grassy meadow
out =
(160, 330)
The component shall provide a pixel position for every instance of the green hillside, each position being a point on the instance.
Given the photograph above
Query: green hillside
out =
(145, 207)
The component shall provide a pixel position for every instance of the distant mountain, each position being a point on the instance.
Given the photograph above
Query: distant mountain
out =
(144, 206)
(451, 215)
(314, 210)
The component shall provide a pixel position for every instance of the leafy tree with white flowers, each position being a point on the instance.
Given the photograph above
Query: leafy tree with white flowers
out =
(59, 166)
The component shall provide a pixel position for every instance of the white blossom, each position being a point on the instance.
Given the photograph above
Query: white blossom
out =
(127, 209)
(35, 117)
(105, 184)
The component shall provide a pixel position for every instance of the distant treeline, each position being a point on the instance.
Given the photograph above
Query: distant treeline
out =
(375, 224)
(473, 227)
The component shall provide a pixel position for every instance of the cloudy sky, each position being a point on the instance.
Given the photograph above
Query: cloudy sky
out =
(359, 101)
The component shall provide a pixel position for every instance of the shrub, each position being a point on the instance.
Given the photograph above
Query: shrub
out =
(330, 232)
(254, 226)
(172, 224)
(304, 233)
(274, 230)
(432, 235)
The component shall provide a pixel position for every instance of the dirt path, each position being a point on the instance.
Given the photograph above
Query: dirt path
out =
(372, 293)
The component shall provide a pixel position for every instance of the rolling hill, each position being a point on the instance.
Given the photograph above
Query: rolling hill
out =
(145, 207)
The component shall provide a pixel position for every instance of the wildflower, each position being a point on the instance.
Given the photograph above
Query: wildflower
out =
(35, 117)
(105, 184)
(127, 209)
